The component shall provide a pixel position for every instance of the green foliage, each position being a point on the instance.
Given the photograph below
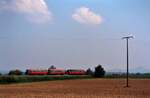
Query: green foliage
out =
(131, 75)
(99, 71)
(89, 72)
(52, 67)
(36, 78)
(15, 72)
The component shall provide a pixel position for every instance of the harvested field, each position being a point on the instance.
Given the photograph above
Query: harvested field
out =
(89, 88)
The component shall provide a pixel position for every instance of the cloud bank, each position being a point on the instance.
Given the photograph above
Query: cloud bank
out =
(34, 10)
(85, 16)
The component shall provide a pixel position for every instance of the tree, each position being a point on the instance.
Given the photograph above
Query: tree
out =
(99, 71)
(89, 71)
(0, 74)
(52, 67)
(15, 72)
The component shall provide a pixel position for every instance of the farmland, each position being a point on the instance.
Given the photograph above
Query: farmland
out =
(88, 88)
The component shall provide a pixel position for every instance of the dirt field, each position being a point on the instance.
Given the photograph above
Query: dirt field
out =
(92, 88)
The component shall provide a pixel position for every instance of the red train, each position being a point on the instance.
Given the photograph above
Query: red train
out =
(36, 72)
(55, 72)
(75, 72)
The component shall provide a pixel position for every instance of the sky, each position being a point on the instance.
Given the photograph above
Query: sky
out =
(74, 34)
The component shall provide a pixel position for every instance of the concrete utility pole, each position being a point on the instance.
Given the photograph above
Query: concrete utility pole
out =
(127, 39)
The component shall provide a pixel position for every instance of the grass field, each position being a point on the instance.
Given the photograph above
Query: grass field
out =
(9, 79)
(89, 88)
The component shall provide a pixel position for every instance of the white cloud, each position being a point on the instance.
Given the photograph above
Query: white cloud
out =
(35, 10)
(86, 16)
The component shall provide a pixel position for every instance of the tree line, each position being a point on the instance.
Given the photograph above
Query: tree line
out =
(98, 72)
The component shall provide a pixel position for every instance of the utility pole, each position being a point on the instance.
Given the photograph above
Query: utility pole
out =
(127, 45)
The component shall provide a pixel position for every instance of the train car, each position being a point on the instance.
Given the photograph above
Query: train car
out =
(75, 72)
(36, 72)
(56, 71)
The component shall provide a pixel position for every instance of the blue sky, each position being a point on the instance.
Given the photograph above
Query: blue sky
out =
(74, 34)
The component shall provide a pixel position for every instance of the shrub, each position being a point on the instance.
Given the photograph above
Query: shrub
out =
(99, 71)
(7, 79)
(89, 72)
(52, 67)
(15, 72)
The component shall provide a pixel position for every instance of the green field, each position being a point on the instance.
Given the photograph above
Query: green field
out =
(134, 76)
(7, 79)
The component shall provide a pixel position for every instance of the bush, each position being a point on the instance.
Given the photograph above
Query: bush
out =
(52, 67)
(89, 72)
(15, 72)
(7, 79)
(99, 71)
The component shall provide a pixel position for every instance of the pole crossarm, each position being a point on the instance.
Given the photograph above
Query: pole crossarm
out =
(127, 37)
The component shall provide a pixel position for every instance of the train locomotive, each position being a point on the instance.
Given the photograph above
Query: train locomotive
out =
(75, 72)
(36, 72)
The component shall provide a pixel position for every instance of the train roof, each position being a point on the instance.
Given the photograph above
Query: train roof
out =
(76, 70)
(37, 69)
(55, 69)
